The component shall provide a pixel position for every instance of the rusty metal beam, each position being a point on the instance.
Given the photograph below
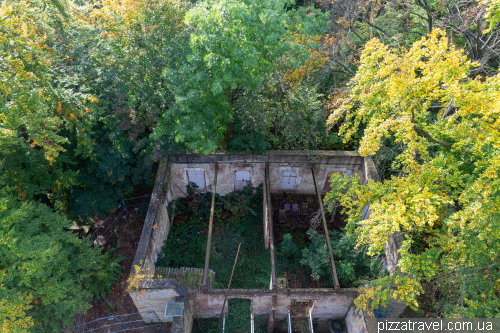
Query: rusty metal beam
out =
(209, 241)
(271, 231)
(265, 215)
(327, 237)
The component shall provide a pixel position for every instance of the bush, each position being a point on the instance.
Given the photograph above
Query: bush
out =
(353, 267)
(50, 273)
(287, 254)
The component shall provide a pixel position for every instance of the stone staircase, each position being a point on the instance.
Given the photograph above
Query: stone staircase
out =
(191, 278)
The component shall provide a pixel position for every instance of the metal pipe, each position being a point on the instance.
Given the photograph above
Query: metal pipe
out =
(209, 241)
(271, 231)
(289, 323)
(327, 237)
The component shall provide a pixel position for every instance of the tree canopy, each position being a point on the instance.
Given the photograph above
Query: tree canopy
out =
(447, 195)
(46, 275)
(234, 45)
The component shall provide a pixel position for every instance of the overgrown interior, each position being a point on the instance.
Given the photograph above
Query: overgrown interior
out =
(270, 205)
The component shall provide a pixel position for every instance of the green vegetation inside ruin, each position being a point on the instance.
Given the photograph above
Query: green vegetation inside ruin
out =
(237, 320)
(237, 219)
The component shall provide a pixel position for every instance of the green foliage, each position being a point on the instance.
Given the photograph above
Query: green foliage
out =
(315, 257)
(235, 218)
(38, 101)
(51, 273)
(107, 178)
(276, 116)
(353, 267)
(238, 319)
(234, 45)
(287, 253)
(480, 294)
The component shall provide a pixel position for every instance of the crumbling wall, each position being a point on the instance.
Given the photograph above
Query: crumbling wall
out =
(225, 175)
(355, 321)
(187, 318)
(153, 295)
(329, 303)
(145, 254)
(298, 163)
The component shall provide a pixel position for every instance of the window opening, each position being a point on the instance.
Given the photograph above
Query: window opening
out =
(327, 186)
(197, 177)
(288, 180)
(241, 179)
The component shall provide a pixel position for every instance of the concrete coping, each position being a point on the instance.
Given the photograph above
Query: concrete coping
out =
(151, 284)
(253, 292)
(271, 156)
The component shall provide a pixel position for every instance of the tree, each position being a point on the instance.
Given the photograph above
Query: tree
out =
(277, 116)
(49, 273)
(234, 45)
(118, 51)
(493, 12)
(39, 103)
(446, 200)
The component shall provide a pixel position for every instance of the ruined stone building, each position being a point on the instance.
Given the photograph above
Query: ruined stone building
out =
(277, 171)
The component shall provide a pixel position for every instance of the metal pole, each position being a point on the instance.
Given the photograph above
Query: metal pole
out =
(209, 241)
(327, 237)
(228, 286)
(289, 323)
(270, 221)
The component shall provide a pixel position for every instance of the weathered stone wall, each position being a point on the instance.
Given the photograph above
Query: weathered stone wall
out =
(279, 161)
(355, 321)
(154, 294)
(145, 254)
(329, 303)
(188, 318)
(161, 229)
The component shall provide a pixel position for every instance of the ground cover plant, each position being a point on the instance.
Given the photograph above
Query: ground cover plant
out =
(237, 219)
(237, 319)
(302, 254)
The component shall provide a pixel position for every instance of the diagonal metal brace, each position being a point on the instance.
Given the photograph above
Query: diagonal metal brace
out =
(327, 237)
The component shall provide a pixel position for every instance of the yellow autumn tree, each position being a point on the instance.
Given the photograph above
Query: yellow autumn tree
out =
(446, 201)
(38, 104)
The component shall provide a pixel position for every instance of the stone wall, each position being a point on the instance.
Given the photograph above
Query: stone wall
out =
(145, 254)
(329, 303)
(154, 294)
(171, 183)
(355, 321)
(188, 318)
(279, 162)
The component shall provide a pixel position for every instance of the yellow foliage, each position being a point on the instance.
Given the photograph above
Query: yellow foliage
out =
(134, 282)
(449, 126)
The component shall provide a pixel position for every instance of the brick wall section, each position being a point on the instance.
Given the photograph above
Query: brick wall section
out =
(329, 303)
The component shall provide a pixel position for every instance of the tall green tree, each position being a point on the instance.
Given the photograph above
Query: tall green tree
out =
(234, 45)
(446, 202)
